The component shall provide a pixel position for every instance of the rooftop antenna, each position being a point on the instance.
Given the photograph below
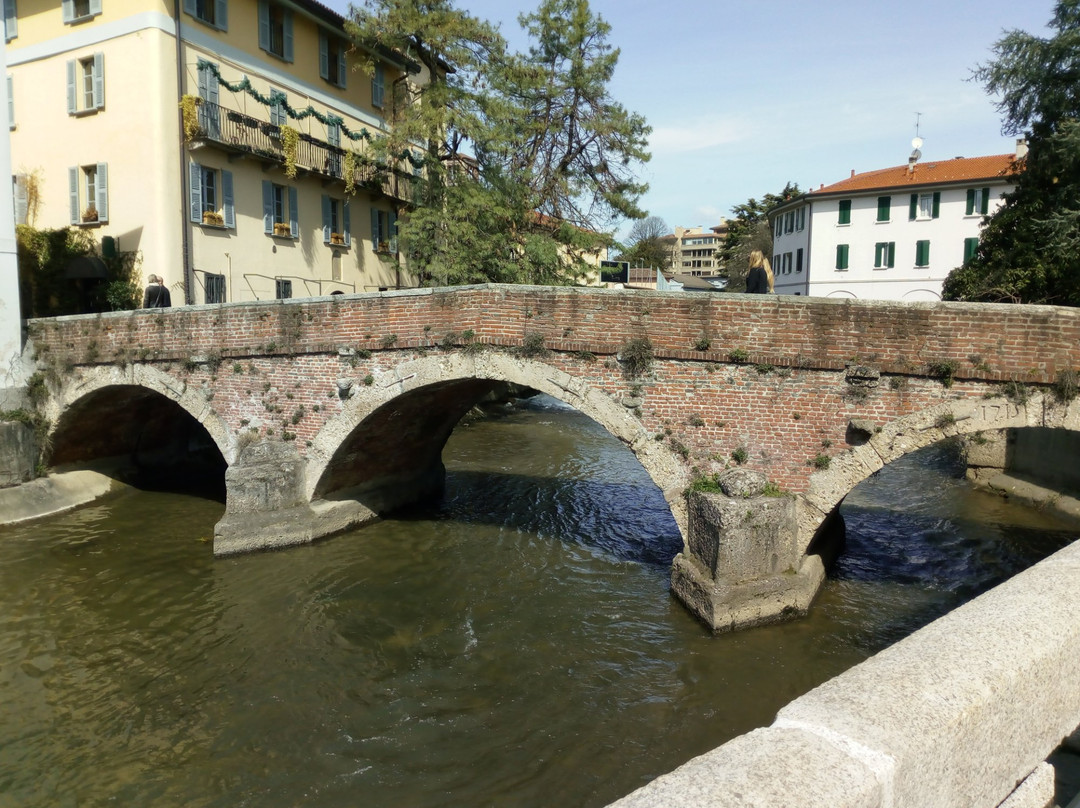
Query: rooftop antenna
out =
(916, 142)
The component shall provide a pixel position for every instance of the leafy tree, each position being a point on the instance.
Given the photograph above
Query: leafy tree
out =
(645, 244)
(528, 160)
(749, 230)
(1029, 250)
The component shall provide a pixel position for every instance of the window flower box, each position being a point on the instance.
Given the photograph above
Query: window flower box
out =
(282, 229)
(337, 238)
(384, 247)
(90, 215)
(213, 218)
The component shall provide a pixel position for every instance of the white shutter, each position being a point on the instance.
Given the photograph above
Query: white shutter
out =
(103, 192)
(99, 80)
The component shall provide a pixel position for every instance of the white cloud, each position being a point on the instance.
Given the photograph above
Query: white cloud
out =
(696, 134)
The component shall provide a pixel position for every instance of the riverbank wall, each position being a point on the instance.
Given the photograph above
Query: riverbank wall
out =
(964, 712)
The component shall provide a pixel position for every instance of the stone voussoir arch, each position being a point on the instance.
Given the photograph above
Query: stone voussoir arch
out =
(892, 440)
(412, 376)
(195, 401)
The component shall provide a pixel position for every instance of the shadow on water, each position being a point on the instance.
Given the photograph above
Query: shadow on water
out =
(605, 516)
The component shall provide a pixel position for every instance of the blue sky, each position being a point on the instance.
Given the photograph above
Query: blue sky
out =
(745, 96)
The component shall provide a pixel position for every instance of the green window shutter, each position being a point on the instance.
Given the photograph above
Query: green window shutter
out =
(798, 259)
(287, 34)
(195, 191)
(841, 256)
(346, 230)
(971, 247)
(294, 214)
(970, 209)
(324, 56)
(892, 254)
(228, 204)
(268, 207)
(375, 229)
(913, 209)
(72, 103)
(11, 24)
(99, 80)
(73, 194)
(326, 203)
(985, 208)
(937, 204)
(879, 248)
(845, 212)
(922, 253)
(264, 25)
(883, 205)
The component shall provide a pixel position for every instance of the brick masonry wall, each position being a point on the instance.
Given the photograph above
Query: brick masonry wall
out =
(775, 381)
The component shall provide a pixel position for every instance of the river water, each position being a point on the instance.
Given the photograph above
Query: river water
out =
(515, 645)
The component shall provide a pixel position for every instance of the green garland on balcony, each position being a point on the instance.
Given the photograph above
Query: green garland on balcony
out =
(245, 86)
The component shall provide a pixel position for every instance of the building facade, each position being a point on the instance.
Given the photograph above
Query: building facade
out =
(693, 249)
(892, 234)
(230, 143)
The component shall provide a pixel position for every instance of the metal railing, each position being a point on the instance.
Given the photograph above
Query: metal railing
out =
(240, 132)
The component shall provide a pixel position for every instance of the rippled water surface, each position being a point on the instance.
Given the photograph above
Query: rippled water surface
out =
(516, 645)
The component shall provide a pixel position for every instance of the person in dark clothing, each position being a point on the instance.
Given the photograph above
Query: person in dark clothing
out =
(760, 278)
(157, 294)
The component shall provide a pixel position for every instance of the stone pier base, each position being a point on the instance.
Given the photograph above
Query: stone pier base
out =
(742, 568)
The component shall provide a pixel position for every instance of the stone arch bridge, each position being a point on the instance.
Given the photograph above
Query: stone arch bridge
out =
(321, 414)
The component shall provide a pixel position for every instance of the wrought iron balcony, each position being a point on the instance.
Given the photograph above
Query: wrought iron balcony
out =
(239, 133)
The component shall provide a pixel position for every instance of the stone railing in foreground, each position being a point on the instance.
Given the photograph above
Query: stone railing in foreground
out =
(963, 713)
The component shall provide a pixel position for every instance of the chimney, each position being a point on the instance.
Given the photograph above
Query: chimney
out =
(1021, 148)
(852, 173)
(911, 164)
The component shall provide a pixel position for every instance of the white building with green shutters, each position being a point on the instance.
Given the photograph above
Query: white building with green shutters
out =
(891, 234)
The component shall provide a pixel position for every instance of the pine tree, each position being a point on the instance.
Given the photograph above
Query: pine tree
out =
(1029, 250)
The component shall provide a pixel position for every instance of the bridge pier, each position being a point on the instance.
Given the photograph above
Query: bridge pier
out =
(265, 505)
(743, 568)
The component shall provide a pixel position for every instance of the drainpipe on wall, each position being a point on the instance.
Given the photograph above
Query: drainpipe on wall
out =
(185, 228)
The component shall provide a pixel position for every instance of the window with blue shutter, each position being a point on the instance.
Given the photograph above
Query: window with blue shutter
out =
(280, 213)
(327, 225)
(378, 87)
(75, 11)
(346, 228)
(195, 192)
(73, 195)
(102, 177)
(268, 207)
(209, 92)
(276, 29)
(212, 12)
(228, 206)
(375, 234)
(278, 115)
(22, 199)
(331, 58)
(11, 25)
(294, 214)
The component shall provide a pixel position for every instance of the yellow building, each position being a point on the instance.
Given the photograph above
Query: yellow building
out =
(229, 142)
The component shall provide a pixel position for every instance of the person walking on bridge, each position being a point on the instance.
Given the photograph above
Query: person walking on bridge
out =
(157, 294)
(760, 278)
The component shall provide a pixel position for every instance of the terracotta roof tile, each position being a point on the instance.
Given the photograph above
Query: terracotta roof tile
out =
(931, 172)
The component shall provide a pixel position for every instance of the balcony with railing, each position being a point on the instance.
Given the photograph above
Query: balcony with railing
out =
(240, 133)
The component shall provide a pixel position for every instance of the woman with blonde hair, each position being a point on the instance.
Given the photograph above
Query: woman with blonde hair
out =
(760, 278)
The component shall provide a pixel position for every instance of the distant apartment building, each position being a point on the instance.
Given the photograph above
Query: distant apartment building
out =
(693, 249)
(890, 234)
(228, 142)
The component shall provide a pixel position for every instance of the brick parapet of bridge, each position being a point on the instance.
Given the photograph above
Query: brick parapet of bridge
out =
(986, 342)
(789, 400)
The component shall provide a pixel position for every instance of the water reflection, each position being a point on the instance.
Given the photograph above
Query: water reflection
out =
(515, 644)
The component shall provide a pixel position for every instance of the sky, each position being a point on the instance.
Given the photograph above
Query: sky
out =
(745, 96)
